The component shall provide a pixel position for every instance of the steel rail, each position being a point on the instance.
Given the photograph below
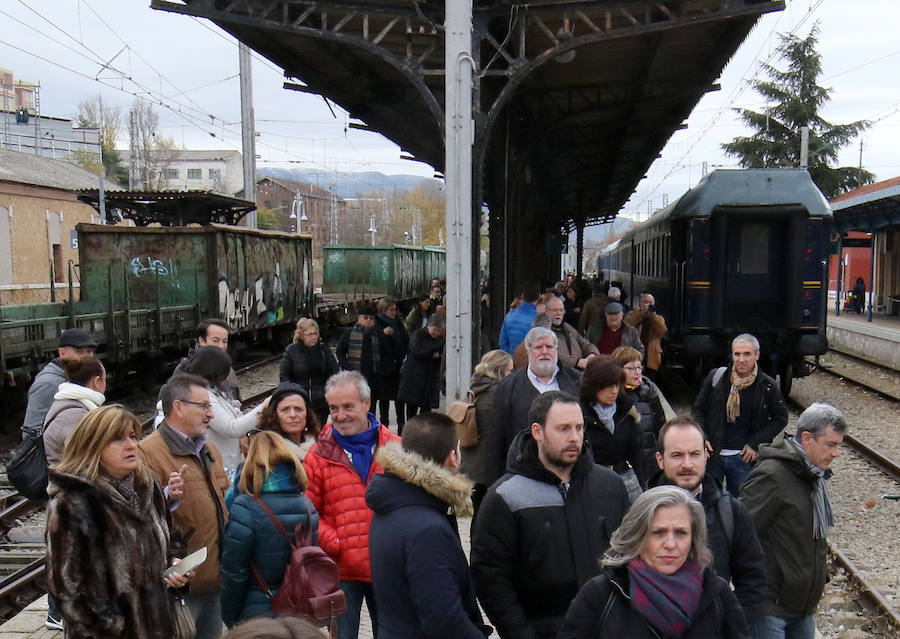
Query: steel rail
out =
(866, 590)
(886, 464)
(838, 371)
(19, 589)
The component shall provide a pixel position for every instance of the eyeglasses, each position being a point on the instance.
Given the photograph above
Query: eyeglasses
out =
(203, 405)
(251, 433)
(634, 369)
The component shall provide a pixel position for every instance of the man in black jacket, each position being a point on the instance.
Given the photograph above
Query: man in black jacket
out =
(737, 555)
(518, 390)
(739, 407)
(543, 527)
(419, 570)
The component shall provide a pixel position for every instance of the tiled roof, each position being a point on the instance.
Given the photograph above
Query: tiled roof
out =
(28, 168)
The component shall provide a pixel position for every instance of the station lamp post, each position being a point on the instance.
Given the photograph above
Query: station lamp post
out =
(297, 207)
(372, 229)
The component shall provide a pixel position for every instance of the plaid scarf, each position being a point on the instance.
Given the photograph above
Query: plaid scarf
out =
(738, 383)
(355, 348)
(667, 602)
(823, 517)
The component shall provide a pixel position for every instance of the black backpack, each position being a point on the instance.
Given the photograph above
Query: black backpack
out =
(27, 468)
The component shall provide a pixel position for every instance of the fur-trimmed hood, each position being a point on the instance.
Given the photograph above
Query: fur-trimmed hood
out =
(453, 489)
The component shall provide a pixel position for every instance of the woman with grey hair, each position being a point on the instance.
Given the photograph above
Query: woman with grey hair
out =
(657, 580)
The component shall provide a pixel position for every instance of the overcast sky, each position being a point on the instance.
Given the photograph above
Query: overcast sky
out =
(190, 66)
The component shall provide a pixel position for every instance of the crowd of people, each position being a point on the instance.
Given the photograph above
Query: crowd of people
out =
(593, 515)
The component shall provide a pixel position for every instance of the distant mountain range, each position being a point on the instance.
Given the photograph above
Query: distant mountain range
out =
(348, 184)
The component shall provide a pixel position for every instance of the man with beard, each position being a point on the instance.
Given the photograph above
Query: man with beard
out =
(574, 350)
(737, 555)
(516, 392)
(739, 407)
(542, 529)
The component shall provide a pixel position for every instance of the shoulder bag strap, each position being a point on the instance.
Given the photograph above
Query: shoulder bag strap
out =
(260, 582)
(610, 602)
(274, 519)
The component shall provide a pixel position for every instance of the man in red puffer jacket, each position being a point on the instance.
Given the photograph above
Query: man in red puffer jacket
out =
(339, 467)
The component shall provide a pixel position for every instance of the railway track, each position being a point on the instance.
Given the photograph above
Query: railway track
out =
(27, 583)
(868, 382)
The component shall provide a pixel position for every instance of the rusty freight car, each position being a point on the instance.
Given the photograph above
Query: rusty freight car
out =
(143, 290)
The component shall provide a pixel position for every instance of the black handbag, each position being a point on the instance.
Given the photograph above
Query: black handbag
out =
(27, 468)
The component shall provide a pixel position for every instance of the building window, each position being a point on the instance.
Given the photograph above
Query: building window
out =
(195, 174)
(58, 274)
(214, 174)
(171, 174)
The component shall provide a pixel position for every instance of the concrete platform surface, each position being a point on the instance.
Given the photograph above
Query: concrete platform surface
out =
(877, 341)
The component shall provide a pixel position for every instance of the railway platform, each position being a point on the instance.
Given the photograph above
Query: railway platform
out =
(877, 341)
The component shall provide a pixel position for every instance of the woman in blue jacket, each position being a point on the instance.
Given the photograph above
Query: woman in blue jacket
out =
(273, 474)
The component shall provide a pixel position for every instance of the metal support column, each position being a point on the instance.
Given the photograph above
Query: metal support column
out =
(458, 177)
(579, 249)
(840, 275)
(872, 276)
(248, 129)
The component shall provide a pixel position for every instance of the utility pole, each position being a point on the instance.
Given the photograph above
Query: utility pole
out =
(804, 147)
(460, 128)
(248, 129)
(134, 177)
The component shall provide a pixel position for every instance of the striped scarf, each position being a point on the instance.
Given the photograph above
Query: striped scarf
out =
(355, 348)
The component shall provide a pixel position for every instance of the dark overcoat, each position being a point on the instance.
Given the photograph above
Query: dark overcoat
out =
(420, 378)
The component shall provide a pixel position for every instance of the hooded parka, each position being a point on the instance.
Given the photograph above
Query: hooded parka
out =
(419, 570)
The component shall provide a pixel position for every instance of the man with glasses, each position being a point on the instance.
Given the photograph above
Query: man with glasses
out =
(573, 350)
(179, 448)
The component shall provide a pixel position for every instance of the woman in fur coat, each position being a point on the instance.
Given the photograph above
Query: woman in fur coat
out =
(108, 534)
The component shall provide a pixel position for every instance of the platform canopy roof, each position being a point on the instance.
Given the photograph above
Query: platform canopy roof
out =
(171, 208)
(869, 208)
(575, 96)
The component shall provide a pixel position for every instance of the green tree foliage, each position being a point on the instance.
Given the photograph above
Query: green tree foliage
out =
(94, 113)
(265, 218)
(795, 100)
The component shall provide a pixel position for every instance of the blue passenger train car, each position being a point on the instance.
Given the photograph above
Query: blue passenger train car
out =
(745, 251)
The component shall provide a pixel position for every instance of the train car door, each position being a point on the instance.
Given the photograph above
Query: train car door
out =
(754, 297)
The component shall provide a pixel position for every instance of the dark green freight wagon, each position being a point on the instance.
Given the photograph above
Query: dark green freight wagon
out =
(144, 289)
(402, 272)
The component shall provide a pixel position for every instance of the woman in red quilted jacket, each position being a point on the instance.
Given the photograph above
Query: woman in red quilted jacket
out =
(339, 467)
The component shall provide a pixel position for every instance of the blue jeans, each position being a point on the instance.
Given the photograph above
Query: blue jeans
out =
(778, 628)
(207, 613)
(734, 471)
(348, 623)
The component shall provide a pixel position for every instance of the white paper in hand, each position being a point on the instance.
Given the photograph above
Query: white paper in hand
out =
(188, 563)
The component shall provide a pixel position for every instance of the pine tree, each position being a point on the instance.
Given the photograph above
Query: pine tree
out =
(795, 100)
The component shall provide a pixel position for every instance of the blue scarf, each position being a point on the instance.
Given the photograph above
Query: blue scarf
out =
(667, 602)
(360, 446)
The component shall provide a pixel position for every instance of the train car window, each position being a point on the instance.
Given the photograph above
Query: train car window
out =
(754, 249)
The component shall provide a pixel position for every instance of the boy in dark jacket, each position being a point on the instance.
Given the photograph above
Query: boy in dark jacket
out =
(419, 569)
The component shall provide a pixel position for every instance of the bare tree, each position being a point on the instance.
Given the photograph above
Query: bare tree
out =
(155, 152)
(95, 113)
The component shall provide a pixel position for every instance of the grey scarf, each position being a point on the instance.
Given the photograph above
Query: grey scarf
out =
(823, 517)
(606, 414)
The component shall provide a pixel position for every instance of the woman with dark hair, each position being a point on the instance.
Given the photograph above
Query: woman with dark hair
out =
(75, 398)
(858, 295)
(228, 422)
(255, 553)
(288, 414)
(646, 397)
(573, 305)
(108, 534)
(309, 363)
(396, 339)
(658, 579)
(420, 376)
(612, 423)
(419, 314)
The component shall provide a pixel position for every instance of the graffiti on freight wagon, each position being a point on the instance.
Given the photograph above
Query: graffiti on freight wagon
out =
(257, 305)
(142, 265)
